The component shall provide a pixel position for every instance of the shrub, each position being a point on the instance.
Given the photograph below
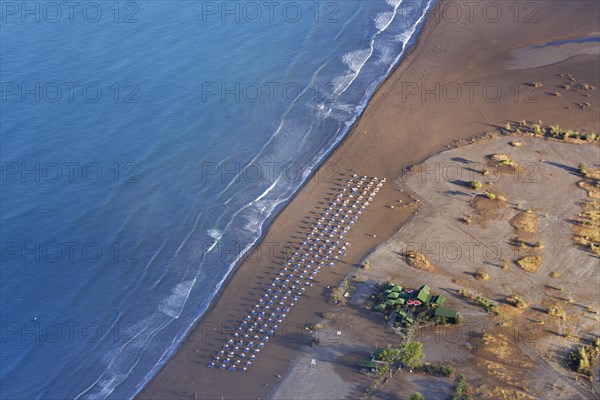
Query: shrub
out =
(481, 274)
(436, 369)
(462, 391)
(489, 195)
(517, 301)
(487, 304)
(416, 396)
(475, 185)
(337, 294)
(582, 359)
(556, 311)
(366, 265)
(582, 169)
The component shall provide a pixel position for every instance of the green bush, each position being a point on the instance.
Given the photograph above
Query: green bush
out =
(436, 369)
(475, 185)
(582, 359)
(462, 390)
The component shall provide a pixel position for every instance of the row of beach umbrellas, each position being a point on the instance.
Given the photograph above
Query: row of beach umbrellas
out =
(324, 244)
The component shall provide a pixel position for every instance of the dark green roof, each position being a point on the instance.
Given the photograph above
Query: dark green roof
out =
(396, 288)
(424, 296)
(446, 312)
(367, 364)
(439, 300)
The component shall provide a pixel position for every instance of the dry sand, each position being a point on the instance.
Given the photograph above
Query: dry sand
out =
(533, 357)
(404, 123)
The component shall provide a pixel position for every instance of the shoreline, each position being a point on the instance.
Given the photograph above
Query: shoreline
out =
(317, 170)
(186, 370)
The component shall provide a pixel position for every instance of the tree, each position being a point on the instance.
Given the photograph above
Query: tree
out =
(411, 354)
(389, 355)
(416, 396)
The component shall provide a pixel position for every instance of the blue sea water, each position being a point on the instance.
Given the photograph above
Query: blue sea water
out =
(145, 147)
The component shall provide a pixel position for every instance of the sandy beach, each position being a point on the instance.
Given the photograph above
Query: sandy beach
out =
(466, 76)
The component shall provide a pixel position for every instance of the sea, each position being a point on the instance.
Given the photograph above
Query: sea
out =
(145, 148)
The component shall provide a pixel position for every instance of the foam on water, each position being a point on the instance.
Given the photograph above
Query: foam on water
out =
(173, 304)
(177, 274)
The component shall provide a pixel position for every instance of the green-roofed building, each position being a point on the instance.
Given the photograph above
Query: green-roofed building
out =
(423, 294)
(399, 301)
(389, 303)
(396, 288)
(438, 300)
(379, 307)
(446, 313)
(393, 295)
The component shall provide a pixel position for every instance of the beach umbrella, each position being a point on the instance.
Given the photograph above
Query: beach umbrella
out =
(379, 307)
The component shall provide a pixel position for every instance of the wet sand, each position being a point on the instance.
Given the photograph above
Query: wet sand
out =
(455, 84)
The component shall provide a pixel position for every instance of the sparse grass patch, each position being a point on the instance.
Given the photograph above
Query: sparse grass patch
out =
(530, 263)
(556, 311)
(587, 230)
(525, 221)
(418, 260)
(338, 294)
(555, 274)
(316, 326)
(503, 159)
